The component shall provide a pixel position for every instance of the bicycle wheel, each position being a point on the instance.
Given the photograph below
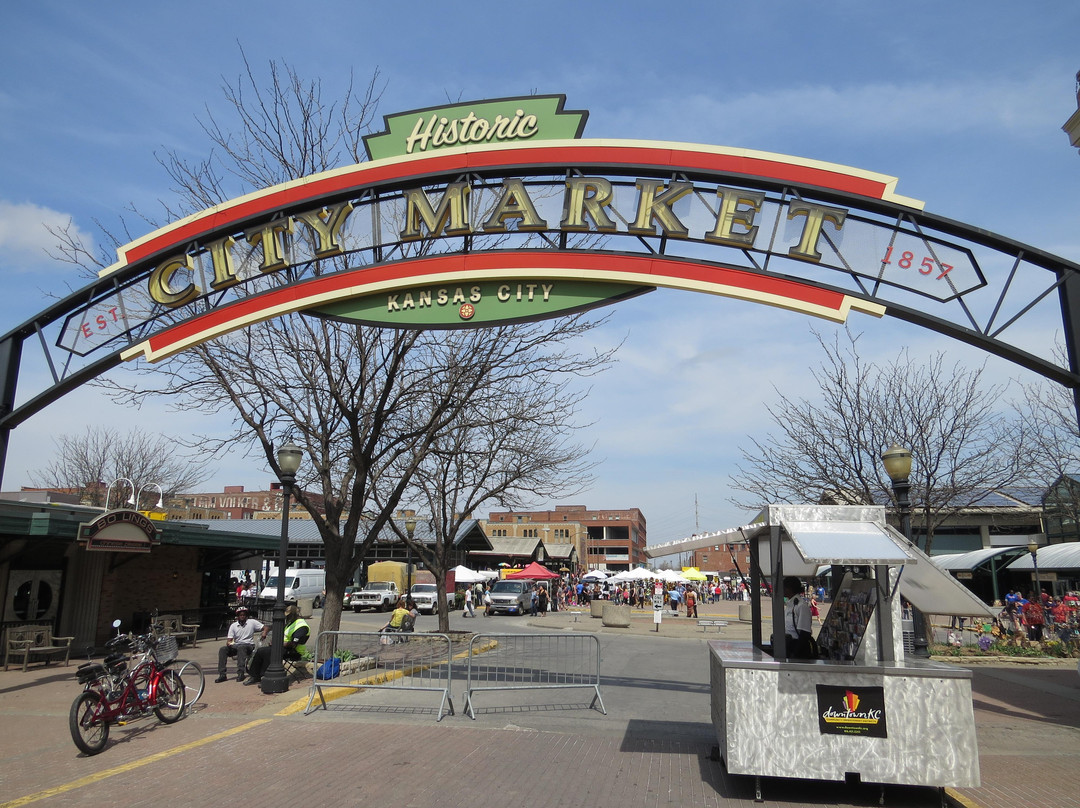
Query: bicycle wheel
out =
(89, 733)
(191, 674)
(170, 697)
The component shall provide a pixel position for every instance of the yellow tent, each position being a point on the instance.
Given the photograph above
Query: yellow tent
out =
(693, 574)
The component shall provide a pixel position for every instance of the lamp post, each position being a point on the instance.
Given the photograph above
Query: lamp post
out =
(108, 492)
(410, 528)
(275, 680)
(161, 494)
(1033, 548)
(897, 462)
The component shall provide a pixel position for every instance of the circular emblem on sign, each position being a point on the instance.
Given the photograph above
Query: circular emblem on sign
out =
(466, 311)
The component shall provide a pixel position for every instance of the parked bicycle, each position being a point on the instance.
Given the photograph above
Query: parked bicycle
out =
(190, 672)
(130, 683)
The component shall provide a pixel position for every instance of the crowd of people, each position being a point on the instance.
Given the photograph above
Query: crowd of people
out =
(574, 592)
(1043, 617)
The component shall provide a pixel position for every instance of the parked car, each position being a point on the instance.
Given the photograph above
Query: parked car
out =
(424, 596)
(382, 596)
(511, 597)
(346, 599)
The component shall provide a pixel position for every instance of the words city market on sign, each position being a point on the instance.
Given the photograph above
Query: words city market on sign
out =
(499, 211)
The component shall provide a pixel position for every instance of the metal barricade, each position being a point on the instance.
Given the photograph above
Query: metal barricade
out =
(378, 660)
(533, 662)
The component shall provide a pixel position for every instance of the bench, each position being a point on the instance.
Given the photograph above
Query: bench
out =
(706, 623)
(28, 641)
(173, 625)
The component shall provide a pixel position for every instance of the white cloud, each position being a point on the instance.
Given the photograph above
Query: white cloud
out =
(24, 234)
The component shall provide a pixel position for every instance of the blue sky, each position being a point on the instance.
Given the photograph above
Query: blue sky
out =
(963, 102)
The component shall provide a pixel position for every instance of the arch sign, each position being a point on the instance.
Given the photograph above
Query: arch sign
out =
(499, 211)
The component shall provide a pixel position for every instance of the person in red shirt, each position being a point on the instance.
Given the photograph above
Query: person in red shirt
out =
(1034, 617)
(1059, 611)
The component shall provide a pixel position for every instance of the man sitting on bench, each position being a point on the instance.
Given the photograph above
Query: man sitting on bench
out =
(239, 642)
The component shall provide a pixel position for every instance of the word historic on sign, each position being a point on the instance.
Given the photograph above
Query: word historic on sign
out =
(588, 207)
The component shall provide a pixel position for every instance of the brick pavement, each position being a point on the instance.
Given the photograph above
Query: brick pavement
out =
(1028, 723)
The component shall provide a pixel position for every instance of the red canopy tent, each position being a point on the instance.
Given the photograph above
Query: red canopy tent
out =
(534, 572)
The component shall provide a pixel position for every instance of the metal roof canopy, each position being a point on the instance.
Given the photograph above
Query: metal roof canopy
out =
(1059, 557)
(965, 562)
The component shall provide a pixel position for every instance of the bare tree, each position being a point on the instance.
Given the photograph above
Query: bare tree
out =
(87, 463)
(366, 405)
(1052, 447)
(511, 442)
(962, 447)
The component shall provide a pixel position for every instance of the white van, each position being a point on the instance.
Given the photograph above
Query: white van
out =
(298, 584)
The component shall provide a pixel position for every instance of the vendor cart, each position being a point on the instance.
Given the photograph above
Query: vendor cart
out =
(864, 711)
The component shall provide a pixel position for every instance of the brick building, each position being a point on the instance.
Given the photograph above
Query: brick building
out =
(605, 539)
(236, 503)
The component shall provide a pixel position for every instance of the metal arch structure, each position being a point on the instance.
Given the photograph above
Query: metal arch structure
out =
(469, 235)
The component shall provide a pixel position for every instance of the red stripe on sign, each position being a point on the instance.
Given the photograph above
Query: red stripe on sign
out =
(654, 270)
(673, 156)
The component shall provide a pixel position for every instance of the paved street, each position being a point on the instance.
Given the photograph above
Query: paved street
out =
(652, 748)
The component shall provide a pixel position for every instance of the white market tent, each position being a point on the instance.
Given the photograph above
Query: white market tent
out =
(464, 575)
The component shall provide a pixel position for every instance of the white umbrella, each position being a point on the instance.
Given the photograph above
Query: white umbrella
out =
(595, 575)
(464, 575)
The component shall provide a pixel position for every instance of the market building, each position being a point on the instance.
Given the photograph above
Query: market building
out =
(77, 568)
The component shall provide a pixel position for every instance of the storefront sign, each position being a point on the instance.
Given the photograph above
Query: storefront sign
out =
(851, 711)
(123, 531)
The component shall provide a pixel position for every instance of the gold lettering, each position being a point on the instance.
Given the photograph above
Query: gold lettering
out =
(270, 238)
(452, 213)
(816, 216)
(514, 204)
(504, 293)
(327, 225)
(737, 209)
(221, 258)
(587, 195)
(652, 205)
(547, 287)
(161, 282)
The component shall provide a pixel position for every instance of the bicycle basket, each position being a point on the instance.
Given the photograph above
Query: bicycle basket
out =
(165, 650)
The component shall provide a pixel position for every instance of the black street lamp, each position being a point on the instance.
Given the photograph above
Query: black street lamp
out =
(275, 680)
(1033, 548)
(897, 461)
(410, 528)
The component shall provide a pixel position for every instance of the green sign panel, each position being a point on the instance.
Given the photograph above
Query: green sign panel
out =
(504, 120)
(456, 305)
